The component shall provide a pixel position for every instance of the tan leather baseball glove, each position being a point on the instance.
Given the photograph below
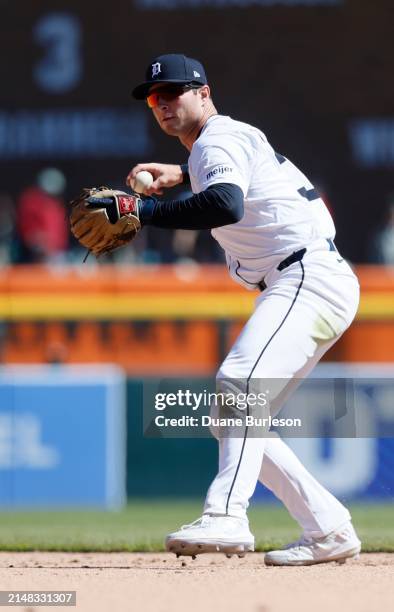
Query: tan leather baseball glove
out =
(103, 219)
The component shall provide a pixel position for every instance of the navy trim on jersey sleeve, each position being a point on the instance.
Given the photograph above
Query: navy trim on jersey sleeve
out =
(221, 204)
(185, 173)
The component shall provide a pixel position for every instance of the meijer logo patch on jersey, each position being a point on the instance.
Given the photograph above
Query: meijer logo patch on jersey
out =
(218, 170)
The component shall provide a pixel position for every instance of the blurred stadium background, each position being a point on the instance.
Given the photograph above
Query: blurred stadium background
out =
(316, 77)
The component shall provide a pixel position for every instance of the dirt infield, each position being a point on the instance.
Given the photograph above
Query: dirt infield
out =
(115, 582)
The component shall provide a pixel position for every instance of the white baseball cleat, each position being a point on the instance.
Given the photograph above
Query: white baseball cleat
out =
(212, 533)
(338, 546)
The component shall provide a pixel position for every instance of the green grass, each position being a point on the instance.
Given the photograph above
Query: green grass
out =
(143, 525)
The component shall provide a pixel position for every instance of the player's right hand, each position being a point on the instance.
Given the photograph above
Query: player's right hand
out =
(164, 175)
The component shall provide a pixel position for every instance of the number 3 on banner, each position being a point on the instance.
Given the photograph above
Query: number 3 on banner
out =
(60, 70)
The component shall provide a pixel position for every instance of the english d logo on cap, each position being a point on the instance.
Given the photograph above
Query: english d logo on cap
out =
(171, 68)
(156, 69)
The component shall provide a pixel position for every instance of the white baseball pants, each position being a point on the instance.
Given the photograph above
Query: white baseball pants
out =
(300, 315)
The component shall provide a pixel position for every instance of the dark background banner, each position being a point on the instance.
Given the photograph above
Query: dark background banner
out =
(316, 77)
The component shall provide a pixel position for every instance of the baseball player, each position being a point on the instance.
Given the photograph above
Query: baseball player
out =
(277, 235)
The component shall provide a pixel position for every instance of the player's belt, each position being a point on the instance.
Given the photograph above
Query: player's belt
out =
(296, 256)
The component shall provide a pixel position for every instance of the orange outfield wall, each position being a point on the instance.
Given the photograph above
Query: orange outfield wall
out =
(158, 319)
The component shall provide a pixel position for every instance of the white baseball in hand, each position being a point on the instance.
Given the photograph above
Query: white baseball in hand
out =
(143, 180)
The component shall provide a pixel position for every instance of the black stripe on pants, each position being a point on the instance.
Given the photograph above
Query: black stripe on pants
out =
(250, 376)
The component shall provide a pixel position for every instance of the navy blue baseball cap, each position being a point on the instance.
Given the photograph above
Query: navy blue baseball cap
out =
(171, 68)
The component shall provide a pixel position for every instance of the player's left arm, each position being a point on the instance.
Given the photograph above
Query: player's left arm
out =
(218, 205)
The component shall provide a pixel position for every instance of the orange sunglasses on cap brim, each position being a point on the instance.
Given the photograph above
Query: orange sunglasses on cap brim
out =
(168, 93)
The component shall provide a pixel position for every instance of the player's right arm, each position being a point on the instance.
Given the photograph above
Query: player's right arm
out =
(221, 173)
(216, 206)
(164, 175)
